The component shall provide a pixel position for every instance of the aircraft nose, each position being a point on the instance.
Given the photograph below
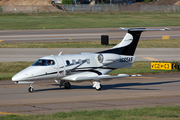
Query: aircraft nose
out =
(15, 78)
(19, 77)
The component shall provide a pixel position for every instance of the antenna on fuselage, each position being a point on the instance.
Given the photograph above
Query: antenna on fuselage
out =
(60, 53)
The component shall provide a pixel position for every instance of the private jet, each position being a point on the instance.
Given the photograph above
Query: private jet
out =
(94, 67)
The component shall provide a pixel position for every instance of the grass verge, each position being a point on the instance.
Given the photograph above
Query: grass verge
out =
(158, 43)
(8, 69)
(140, 67)
(87, 20)
(147, 113)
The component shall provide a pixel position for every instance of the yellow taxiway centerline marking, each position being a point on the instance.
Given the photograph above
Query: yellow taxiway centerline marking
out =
(1, 40)
(152, 59)
(6, 113)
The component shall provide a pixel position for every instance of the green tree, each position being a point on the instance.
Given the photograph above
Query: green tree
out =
(66, 2)
(146, 1)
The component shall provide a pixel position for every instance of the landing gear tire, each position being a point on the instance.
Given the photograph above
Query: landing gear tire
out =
(67, 85)
(98, 89)
(31, 89)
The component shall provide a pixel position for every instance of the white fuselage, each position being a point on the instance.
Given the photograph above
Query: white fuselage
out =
(64, 65)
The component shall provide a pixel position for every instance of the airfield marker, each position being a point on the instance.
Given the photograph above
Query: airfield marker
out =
(165, 37)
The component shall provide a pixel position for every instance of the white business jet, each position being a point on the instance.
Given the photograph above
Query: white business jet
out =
(84, 66)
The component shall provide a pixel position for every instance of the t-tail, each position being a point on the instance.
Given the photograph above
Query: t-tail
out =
(129, 43)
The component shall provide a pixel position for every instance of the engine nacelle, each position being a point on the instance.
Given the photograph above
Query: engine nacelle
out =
(107, 58)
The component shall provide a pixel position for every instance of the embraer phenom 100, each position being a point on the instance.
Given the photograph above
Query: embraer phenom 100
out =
(84, 66)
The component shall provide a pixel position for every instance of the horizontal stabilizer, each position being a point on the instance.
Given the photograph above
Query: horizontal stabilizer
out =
(129, 43)
(142, 29)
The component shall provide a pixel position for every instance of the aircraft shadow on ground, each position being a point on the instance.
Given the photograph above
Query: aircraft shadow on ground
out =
(119, 86)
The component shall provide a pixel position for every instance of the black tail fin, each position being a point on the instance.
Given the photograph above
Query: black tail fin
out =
(129, 43)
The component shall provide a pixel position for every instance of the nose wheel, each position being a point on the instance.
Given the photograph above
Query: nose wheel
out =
(31, 89)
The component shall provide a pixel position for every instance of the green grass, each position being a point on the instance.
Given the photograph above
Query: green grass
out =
(8, 69)
(147, 113)
(86, 20)
(140, 67)
(159, 43)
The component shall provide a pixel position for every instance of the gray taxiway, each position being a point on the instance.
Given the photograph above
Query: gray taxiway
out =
(125, 93)
(88, 34)
(33, 54)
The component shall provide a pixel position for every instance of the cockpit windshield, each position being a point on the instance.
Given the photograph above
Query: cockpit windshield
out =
(43, 62)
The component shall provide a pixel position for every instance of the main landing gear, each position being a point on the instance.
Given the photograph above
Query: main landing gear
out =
(97, 85)
(66, 85)
(31, 89)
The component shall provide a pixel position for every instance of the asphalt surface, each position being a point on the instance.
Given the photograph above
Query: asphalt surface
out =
(68, 35)
(33, 54)
(125, 93)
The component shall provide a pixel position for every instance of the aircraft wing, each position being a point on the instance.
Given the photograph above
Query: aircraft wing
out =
(92, 76)
(103, 77)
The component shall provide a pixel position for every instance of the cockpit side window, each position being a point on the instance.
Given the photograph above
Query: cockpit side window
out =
(43, 62)
(50, 62)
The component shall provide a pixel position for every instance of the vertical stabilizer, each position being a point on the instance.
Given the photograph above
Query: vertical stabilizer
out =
(129, 43)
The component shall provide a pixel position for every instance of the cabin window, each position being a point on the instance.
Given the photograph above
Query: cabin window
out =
(88, 61)
(80, 61)
(43, 62)
(67, 62)
(74, 62)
